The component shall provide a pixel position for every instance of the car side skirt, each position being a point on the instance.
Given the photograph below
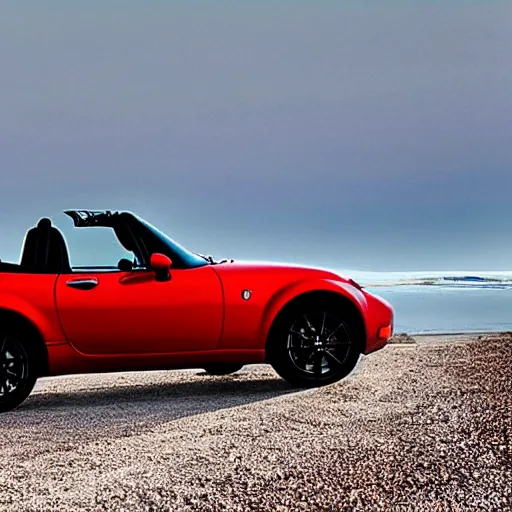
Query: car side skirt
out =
(65, 360)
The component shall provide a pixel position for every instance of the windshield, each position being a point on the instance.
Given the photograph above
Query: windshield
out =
(181, 257)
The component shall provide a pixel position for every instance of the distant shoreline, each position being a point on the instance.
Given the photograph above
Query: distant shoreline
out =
(411, 338)
(459, 333)
(452, 279)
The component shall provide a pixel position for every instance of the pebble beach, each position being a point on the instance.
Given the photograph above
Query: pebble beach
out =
(423, 424)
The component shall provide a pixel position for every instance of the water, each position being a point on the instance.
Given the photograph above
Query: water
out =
(424, 309)
(444, 302)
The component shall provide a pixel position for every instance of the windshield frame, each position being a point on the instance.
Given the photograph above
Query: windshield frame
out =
(155, 240)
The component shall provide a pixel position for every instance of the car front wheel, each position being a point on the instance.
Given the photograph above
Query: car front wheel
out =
(314, 346)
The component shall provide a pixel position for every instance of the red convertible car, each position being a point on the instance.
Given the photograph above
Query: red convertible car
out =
(170, 308)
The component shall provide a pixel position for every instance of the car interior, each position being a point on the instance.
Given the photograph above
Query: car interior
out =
(45, 250)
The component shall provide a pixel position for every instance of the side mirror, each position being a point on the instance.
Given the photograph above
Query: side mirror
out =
(161, 265)
(125, 265)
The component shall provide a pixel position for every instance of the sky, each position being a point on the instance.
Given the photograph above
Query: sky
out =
(364, 135)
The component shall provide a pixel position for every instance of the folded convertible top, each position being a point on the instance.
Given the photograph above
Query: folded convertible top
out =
(87, 218)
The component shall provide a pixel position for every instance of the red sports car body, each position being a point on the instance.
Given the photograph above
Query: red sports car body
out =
(172, 308)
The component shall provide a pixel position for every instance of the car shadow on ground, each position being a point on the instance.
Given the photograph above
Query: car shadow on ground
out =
(116, 410)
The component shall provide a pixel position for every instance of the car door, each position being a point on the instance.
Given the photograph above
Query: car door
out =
(132, 312)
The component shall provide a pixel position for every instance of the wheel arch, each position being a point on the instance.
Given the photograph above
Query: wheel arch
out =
(299, 293)
(22, 322)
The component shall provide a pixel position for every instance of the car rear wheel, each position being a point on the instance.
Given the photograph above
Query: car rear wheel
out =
(18, 372)
(223, 369)
(314, 345)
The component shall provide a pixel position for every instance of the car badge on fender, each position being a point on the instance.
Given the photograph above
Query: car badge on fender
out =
(246, 294)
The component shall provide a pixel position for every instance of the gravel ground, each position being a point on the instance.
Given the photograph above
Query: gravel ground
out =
(418, 426)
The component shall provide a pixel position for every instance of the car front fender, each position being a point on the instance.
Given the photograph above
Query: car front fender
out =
(294, 290)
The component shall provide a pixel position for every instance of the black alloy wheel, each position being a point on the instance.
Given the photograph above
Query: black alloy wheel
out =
(17, 372)
(314, 346)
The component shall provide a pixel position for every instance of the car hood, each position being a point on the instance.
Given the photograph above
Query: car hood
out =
(284, 270)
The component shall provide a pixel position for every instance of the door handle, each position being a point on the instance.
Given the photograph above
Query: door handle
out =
(83, 284)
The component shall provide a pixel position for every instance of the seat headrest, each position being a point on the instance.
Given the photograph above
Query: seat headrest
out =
(44, 224)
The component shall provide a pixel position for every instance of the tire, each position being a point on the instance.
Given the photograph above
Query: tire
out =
(18, 370)
(314, 344)
(223, 369)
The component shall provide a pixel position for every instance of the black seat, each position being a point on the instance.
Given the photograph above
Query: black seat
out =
(36, 245)
(44, 250)
(58, 256)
